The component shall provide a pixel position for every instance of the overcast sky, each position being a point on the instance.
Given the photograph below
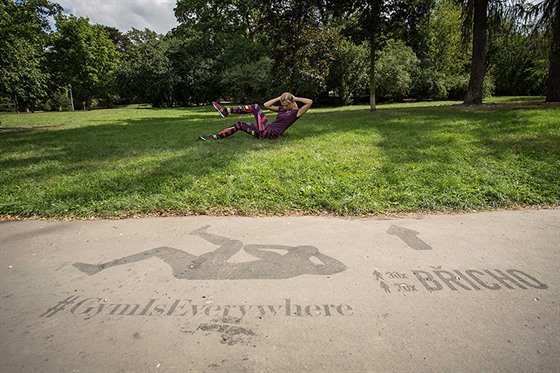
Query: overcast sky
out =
(156, 15)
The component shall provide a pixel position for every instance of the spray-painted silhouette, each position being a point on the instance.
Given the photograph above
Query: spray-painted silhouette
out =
(214, 265)
(409, 236)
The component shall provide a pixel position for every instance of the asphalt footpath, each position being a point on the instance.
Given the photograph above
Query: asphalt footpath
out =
(430, 293)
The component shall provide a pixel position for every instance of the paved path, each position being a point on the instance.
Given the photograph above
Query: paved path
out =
(445, 293)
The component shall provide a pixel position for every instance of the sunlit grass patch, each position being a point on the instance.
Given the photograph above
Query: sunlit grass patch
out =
(402, 158)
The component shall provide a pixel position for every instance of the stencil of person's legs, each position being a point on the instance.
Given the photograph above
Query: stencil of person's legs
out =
(218, 257)
(175, 258)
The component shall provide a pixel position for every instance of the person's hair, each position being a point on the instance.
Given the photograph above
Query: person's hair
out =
(287, 96)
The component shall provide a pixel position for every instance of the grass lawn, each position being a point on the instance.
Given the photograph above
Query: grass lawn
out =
(347, 161)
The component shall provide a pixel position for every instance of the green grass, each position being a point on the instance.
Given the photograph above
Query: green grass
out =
(348, 161)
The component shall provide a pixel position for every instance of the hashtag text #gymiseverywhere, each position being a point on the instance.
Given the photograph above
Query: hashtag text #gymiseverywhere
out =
(93, 307)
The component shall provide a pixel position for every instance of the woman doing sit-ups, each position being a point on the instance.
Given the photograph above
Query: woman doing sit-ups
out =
(288, 113)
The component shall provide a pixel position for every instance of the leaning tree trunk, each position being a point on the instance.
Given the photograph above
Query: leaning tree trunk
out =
(478, 63)
(553, 87)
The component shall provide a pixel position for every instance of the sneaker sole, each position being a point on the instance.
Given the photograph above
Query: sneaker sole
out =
(219, 110)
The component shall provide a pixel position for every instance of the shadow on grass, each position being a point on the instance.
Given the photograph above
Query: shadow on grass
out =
(423, 150)
(495, 129)
(465, 158)
(126, 158)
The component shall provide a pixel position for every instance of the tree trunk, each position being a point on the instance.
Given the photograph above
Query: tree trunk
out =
(478, 63)
(22, 105)
(372, 106)
(553, 87)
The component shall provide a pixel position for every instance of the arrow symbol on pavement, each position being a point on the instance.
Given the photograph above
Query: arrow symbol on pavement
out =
(409, 237)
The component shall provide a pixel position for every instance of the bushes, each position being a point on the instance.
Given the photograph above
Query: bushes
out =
(457, 85)
(348, 75)
(400, 74)
(520, 65)
(59, 102)
(395, 67)
(427, 84)
(6, 104)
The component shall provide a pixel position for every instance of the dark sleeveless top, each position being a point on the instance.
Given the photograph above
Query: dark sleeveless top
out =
(284, 120)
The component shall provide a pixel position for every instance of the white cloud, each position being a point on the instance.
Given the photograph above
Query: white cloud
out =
(156, 15)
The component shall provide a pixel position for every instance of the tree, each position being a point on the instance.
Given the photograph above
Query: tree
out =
(348, 73)
(552, 14)
(410, 22)
(303, 45)
(366, 21)
(196, 70)
(257, 89)
(447, 52)
(84, 58)
(214, 38)
(220, 16)
(547, 13)
(477, 10)
(396, 66)
(519, 61)
(145, 73)
(121, 41)
(375, 21)
(24, 31)
(485, 17)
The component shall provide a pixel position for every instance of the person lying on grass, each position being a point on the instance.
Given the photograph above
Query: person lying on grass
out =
(288, 113)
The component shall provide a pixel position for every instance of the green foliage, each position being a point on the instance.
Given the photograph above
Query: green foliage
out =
(396, 64)
(59, 101)
(519, 64)
(410, 22)
(348, 75)
(447, 53)
(249, 82)
(427, 83)
(212, 42)
(348, 161)
(303, 47)
(457, 86)
(84, 58)
(23, 34)
(6, 104)
(249, 50)
(145, 73)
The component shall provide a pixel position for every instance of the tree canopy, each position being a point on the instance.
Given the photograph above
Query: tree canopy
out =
(337, 52)
(24, 34)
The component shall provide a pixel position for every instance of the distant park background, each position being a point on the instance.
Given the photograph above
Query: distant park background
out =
(335, 52)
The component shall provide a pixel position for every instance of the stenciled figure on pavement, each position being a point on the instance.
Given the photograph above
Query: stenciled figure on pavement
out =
(385, 287)
(214, 265)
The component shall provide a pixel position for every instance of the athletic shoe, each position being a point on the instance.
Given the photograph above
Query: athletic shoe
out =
(206, 138)
(222, 110)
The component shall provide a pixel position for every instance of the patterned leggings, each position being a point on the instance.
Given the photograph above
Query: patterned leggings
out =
(259, 130)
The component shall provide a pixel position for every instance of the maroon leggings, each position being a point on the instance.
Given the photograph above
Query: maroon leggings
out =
(259, 130)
